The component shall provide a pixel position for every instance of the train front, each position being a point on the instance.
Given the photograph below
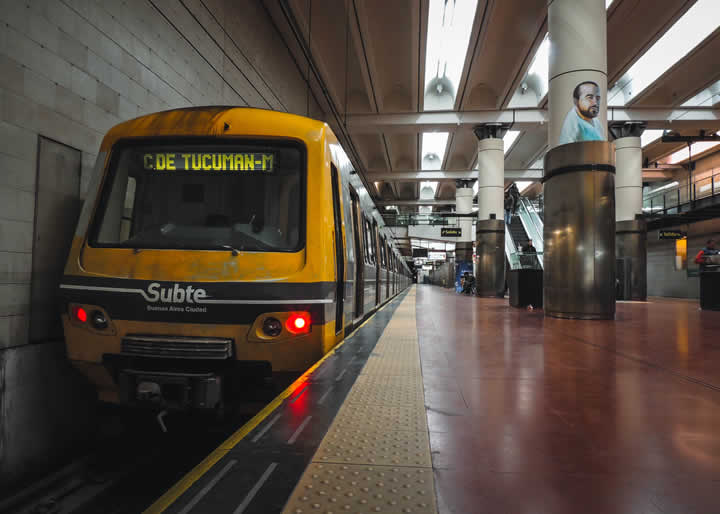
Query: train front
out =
(191, 268)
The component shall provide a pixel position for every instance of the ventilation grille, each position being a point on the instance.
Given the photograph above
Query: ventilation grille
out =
(177, 347)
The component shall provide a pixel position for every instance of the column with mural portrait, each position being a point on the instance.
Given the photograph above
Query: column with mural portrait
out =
(579, 177)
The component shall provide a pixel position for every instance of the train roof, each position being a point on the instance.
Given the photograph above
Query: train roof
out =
(213, 121)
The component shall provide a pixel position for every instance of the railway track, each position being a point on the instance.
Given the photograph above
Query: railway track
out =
(133, 461)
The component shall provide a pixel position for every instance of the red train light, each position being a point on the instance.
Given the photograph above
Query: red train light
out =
(79, 314)
(298, 323)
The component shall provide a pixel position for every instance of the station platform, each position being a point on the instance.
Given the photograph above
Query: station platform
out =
(454, 404)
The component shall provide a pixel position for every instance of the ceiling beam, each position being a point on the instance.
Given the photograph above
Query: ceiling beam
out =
(531, 175)
(419, 175)
(688, 118)
(450, 201)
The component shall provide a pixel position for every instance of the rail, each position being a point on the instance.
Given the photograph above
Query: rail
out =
(674, 198)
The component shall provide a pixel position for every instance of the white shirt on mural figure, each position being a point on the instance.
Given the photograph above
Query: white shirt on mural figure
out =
(581, 122)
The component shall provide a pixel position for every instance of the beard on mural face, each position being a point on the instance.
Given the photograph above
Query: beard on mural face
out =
(588, 100)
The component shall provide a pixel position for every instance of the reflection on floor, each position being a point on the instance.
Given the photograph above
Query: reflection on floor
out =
(533, 414)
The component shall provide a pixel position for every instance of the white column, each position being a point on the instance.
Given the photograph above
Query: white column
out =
(463, 205)
(491, 178)
(628, 178)
(578, 54)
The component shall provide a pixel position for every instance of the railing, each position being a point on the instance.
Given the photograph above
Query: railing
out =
(533, 225)
(404, 220)
(670, 200)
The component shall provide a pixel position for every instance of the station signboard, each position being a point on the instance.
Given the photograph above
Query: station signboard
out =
(450, 232)
(436, 256)
(672, 234)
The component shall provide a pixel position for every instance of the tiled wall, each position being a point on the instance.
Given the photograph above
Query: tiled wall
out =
(70, 70)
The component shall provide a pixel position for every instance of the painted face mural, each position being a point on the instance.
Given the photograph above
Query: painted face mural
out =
(581, 122)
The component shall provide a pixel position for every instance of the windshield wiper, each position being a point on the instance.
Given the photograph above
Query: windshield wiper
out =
(234, 251)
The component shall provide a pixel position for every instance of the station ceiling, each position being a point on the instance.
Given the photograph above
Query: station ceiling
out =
(409, 78)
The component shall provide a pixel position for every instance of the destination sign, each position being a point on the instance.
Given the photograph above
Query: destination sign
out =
(450, 232)
(182, 161)
(672, 234)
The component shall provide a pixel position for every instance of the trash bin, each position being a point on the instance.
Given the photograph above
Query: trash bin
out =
(710, 288)
(526, 287)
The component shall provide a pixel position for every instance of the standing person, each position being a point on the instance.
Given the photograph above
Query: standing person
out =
(515, 195)
(702, 258)
(508, 204)
(529, 248)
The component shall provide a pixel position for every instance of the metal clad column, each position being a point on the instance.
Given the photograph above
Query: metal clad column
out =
(630, 233)
(490, 230)
(579, 182)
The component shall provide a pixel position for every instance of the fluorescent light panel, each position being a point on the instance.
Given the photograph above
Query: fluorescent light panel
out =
(705, 98)
(690, 30)
(448, 35)
(433, 149)
(650, 136)
(509, 138)
(522, 185)
(695, 149)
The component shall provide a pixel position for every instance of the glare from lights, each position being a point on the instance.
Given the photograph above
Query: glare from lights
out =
(509, 139)
(448, 36)
(608, 3)
(662, 188)
(433, 149)
(650, 136)
(690, 30)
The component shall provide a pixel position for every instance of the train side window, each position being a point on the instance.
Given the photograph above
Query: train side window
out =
(375, 239)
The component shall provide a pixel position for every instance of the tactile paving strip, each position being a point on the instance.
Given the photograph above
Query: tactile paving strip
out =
(335, 488)
(376, 454)
(363, 445)
(387, 390)
(380, 417)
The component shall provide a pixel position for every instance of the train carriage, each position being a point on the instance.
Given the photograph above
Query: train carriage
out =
(214, 241)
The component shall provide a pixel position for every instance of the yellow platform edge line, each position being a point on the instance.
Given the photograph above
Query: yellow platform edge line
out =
(192, 476)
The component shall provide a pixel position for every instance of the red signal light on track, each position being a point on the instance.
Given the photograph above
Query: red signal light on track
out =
(79, 314)
(298, 323)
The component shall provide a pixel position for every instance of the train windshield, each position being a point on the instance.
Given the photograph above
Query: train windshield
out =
(242, 196)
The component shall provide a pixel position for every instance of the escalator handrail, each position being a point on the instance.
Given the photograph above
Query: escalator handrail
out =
(533, 226)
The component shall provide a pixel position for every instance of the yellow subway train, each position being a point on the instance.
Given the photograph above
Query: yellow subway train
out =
(215, 242)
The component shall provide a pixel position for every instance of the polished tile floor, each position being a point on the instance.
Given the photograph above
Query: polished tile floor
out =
(536, 415)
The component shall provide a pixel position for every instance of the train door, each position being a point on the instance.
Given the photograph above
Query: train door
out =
(359, 254)
(339, 253)
(387, 269)
(378, 261)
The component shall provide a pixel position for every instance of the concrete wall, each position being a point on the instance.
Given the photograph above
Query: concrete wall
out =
(69, 70)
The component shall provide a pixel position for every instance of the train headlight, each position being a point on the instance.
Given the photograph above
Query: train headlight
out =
(98, 320)
(272, 327)
(298, 323)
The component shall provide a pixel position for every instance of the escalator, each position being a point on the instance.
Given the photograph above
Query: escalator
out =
(525, 224)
